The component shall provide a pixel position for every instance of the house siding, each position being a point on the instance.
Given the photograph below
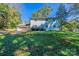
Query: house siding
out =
(37, 23)
(44, 24)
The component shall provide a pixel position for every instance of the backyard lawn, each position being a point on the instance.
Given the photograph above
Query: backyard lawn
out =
(40, 43)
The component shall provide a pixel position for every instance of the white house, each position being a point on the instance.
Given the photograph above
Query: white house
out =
(37, 22)
(44, 24)
(52, 25)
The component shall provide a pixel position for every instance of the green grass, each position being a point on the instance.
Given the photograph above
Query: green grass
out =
(40, 43)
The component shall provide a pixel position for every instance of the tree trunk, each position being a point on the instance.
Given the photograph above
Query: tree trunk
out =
(60, 25)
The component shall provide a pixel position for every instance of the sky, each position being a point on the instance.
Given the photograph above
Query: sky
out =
(27, 9)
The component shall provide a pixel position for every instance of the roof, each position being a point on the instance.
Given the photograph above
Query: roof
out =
(43, 18)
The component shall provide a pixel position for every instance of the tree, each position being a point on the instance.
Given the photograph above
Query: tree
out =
(61, 15)
(9, 17)
(74, 25)
(74, 10)
(3, 15)
(14, 18)
(43, 12)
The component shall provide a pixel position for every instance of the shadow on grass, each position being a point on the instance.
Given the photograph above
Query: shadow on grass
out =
(56, 44)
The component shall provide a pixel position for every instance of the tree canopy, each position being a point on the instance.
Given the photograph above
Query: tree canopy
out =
(61, 15)
(43, 12)
(9, 17)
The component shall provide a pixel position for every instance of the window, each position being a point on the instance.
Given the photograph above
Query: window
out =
(54, 26)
